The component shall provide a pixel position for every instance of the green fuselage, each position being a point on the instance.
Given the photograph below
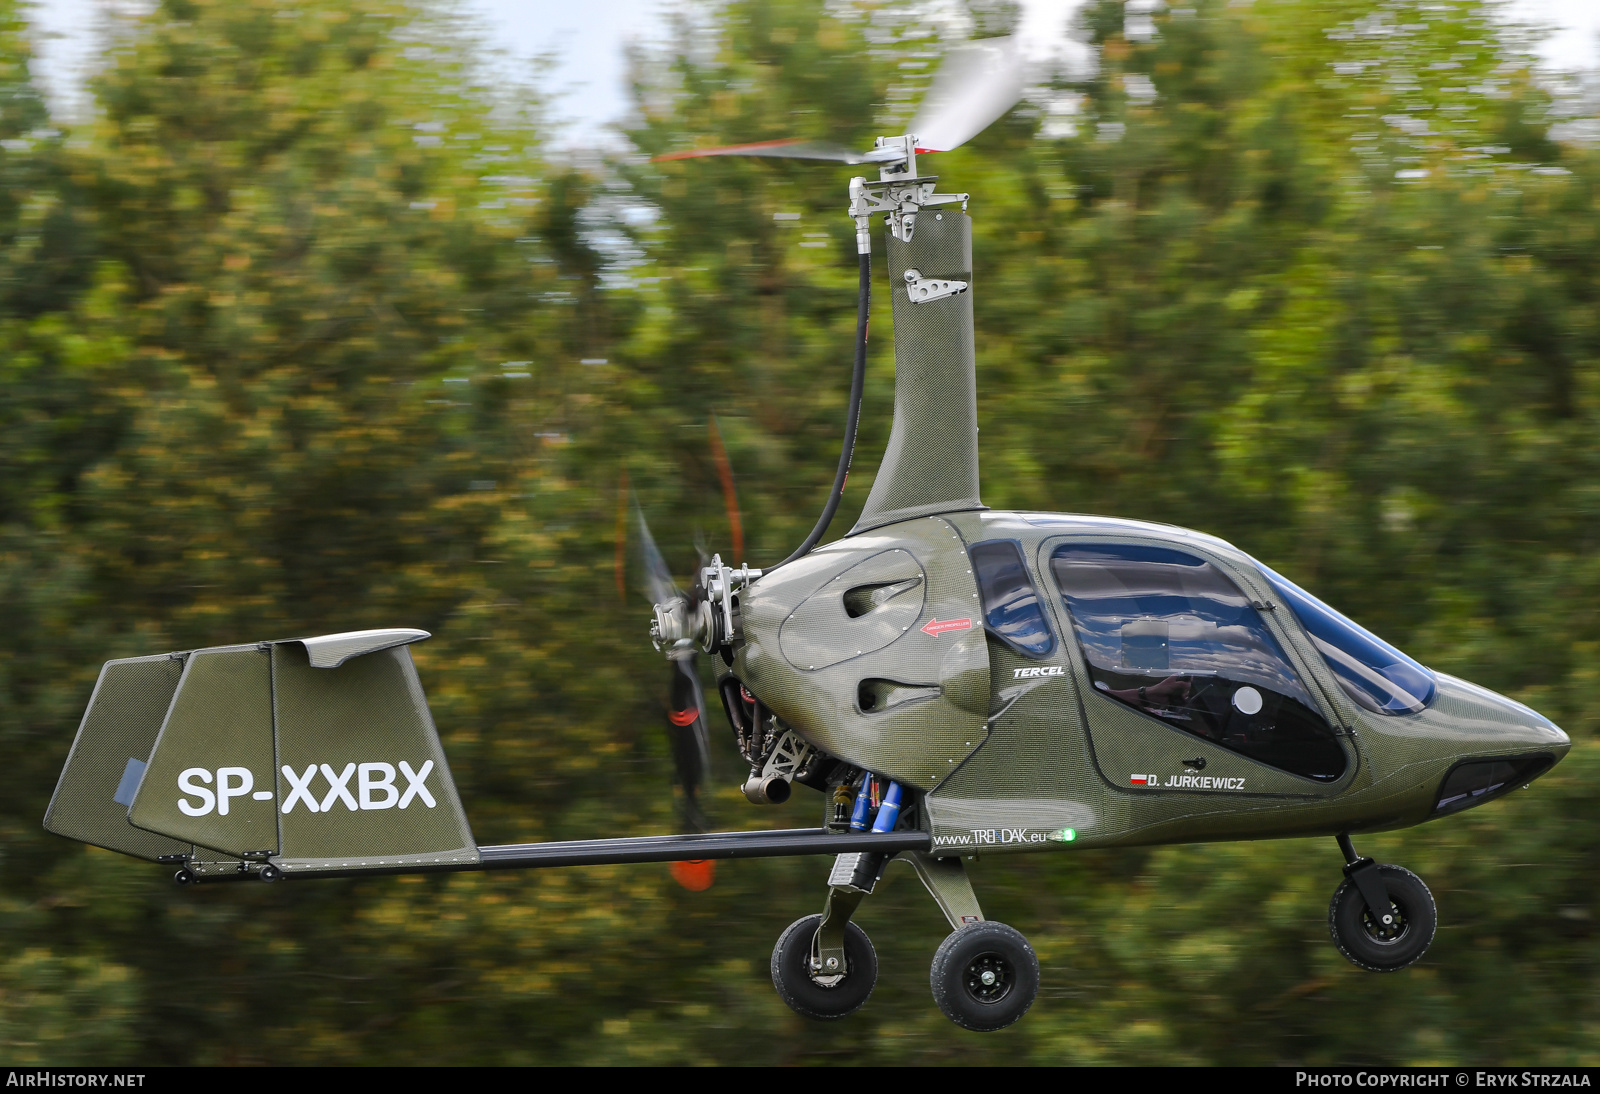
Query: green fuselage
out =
(880, 649)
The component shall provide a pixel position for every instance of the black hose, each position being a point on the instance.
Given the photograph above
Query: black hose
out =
(858, 381)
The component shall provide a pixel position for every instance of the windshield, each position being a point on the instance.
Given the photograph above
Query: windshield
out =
(1374, 673)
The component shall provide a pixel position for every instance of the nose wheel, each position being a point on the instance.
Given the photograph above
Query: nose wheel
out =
(1382, 917)
(985, 976)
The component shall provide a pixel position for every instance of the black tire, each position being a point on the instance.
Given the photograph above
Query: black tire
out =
(985, 976)
(791, 972)
(1367, 944)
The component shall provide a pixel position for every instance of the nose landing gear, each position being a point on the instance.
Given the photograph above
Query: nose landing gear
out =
(1382, 917)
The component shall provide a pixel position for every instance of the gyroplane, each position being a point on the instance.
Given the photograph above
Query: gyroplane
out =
(949, 679)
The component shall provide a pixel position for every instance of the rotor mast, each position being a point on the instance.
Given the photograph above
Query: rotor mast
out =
(931, 462)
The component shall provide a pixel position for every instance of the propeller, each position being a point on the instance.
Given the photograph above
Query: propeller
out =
(730, 497)
(687, 724)
(977, 83)
(687, 728)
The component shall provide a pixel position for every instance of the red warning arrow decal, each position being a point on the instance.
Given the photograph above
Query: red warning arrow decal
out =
(935, 628)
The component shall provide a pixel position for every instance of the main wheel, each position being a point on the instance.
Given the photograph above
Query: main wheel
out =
(823, 996)
(1372, 945)
(984, 976)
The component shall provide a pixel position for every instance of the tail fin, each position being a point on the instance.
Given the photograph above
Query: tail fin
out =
(209, 775)
(357, 741)
(108, 758)
(313, 754)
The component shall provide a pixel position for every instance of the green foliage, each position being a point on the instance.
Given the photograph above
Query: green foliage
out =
(1308, 274)
(65, 1010)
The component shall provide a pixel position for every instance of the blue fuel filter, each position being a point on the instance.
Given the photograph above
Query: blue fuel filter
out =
(863, 808)
(889, 811)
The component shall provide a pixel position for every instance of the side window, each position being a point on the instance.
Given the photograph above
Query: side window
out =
(1011, 608)
(1169, 634)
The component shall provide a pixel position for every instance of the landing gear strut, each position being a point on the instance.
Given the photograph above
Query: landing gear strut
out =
(824, 966)
(1382, 917)
(817, 995)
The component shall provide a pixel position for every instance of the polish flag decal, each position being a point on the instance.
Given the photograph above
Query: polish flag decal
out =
(1139, 780)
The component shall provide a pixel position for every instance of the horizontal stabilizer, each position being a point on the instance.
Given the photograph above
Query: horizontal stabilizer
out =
(329, 651)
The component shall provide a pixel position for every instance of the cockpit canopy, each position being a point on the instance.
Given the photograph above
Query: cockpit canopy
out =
(1171, 635)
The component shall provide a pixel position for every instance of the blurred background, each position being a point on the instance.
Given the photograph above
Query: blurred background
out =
(318, 315)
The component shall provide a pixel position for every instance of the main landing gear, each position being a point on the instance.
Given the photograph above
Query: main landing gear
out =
(984, 976)
(1381, 917)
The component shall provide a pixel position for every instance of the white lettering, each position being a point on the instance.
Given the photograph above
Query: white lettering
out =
(226, 791)
(369, 785)
(300, 788)
(338, 791)
(1194, 782)
(375, 785)
(186, 784)
(414, 787)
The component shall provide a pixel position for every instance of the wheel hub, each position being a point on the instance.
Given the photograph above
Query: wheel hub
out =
(989, 978)
(824, 974)
(1385, 933)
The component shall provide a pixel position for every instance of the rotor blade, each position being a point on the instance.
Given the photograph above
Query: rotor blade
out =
(730, 497)
(658, 581)
(976, 84)
(784, 149)
(690, 738)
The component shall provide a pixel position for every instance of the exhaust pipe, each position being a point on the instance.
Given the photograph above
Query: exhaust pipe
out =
(766, 790)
